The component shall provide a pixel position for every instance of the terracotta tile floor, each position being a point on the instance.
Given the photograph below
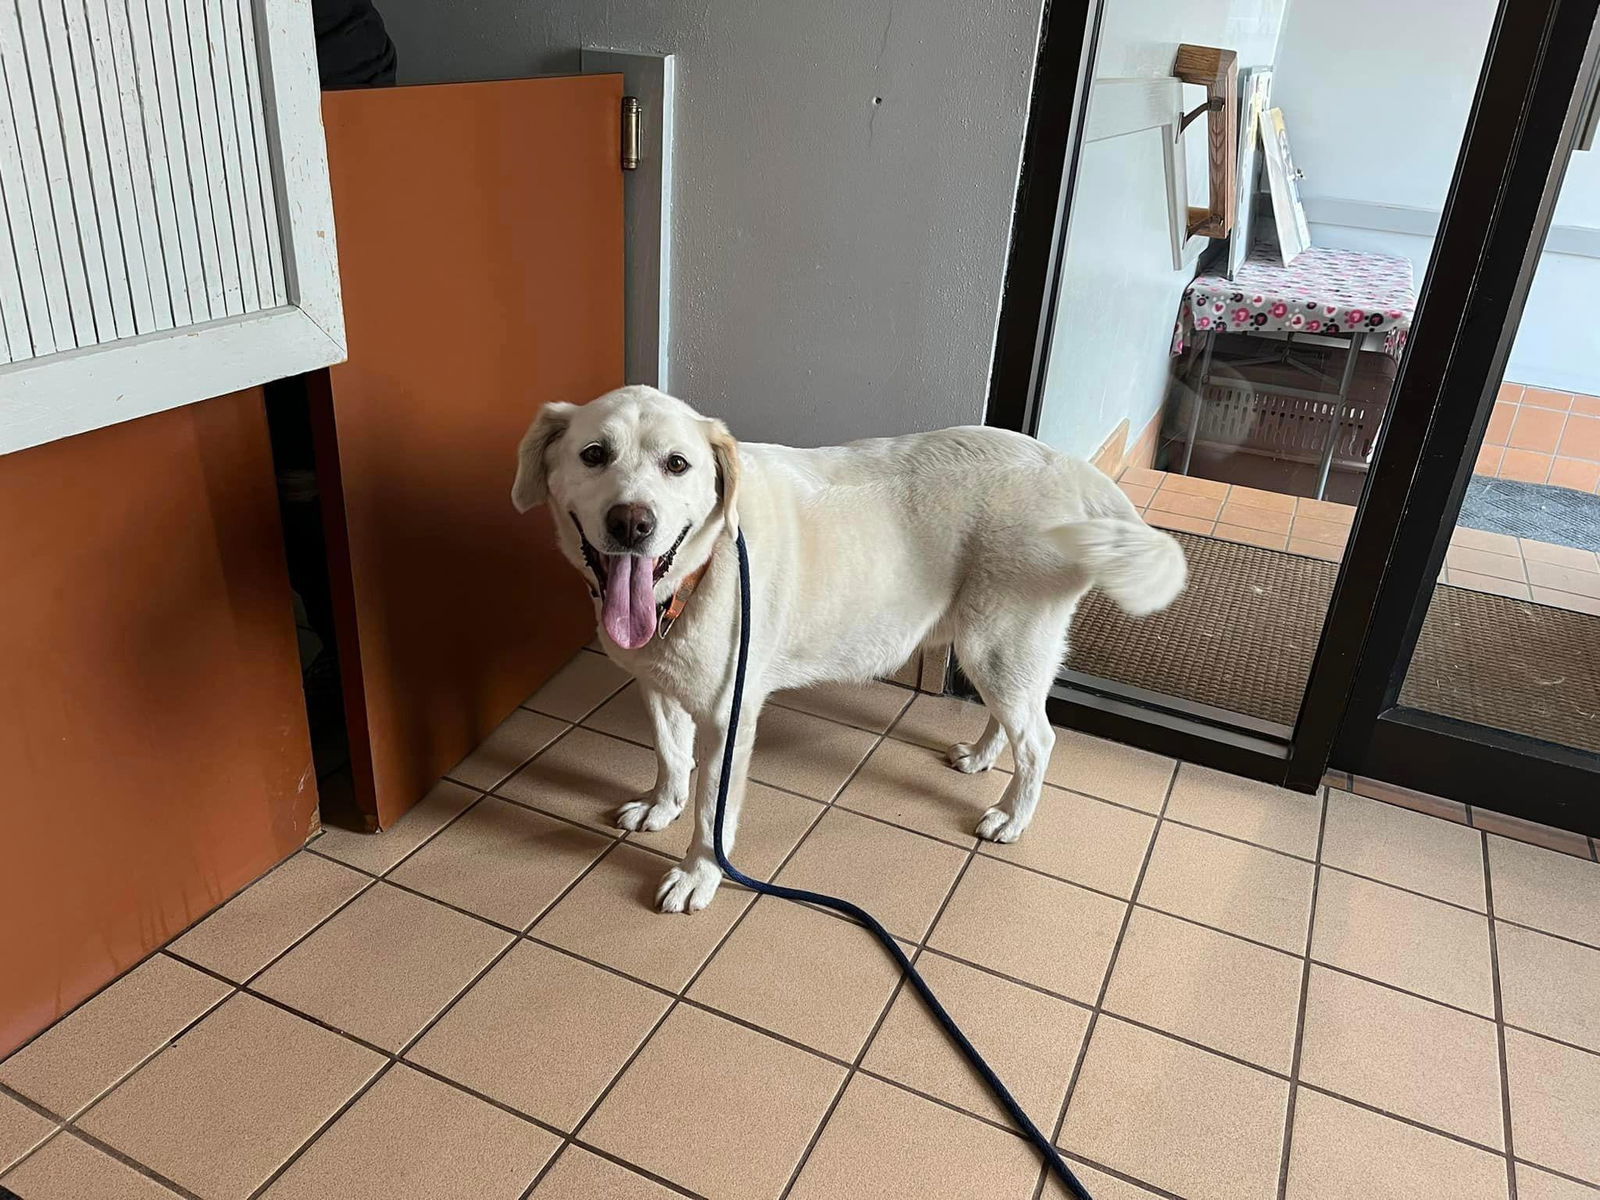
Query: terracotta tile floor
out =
(1204, 987)
(1523, 569)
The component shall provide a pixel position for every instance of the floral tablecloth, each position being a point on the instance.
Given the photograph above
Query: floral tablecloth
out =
(1323, 291)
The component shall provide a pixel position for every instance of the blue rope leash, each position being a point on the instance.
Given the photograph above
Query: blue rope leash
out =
(1051, 1156)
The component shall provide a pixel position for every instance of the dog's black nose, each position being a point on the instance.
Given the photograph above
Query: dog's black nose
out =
(630, 524)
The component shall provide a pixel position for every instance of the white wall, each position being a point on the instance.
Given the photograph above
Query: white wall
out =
(1377, 118)
(1119, 293)
(837, 261)
(1376, 94)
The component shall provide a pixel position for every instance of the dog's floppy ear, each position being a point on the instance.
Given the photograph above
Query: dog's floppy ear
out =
(532, 484)
(726, 452)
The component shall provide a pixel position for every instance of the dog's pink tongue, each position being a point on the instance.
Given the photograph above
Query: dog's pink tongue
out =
(629, 611)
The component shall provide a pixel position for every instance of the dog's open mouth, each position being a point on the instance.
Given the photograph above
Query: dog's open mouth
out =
(627, 589)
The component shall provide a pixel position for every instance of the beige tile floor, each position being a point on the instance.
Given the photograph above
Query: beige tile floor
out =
(1521, 568)
(1202, 987)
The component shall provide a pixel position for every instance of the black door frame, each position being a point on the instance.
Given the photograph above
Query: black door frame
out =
(1524, 118)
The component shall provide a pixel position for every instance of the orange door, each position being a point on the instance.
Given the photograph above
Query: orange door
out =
(152, 726)
(480, 250)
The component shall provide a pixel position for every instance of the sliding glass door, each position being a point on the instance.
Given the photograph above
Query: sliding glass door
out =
(1304, 400)
(1492, 695)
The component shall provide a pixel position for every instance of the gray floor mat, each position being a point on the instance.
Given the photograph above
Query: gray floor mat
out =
(1532, 510)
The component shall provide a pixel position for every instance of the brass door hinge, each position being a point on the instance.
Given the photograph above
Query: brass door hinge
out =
(630, 133)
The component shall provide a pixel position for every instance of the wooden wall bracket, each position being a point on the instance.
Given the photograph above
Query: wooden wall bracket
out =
(1217, 71)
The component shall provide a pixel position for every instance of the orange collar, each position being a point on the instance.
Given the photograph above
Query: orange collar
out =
(672, 609)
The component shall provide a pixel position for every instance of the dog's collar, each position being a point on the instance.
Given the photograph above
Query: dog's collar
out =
(667, 611)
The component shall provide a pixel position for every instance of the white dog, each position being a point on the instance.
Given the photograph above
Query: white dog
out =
(859, 555)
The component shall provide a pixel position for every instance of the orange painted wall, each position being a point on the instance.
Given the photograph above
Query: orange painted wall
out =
(152, 725)
(480, 248)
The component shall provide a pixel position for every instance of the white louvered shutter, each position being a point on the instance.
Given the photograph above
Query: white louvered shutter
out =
(165, 226)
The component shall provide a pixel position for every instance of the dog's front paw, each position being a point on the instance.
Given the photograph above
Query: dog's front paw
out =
(646, 815)
(687, 889)
(997, 825)
(967, 759)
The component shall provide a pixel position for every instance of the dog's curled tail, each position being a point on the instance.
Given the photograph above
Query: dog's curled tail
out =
(1140, 568)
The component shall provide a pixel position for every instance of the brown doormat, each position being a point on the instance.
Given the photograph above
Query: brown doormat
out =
(1243, 635)
(1511, 665)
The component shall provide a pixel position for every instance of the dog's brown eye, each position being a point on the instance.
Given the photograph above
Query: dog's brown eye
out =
(594, 454)
(676, 464)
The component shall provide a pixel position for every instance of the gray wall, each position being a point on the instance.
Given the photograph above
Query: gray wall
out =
(837, 262)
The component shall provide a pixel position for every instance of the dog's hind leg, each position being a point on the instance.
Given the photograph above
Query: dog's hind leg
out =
(1013, 662)
(674, 730)
(970, 758)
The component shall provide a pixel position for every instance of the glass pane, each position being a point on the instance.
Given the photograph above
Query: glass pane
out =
(1235, 387)
(1512, 636)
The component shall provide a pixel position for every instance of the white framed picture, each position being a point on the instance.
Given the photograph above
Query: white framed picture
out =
(1255, 93)
(1283, 179)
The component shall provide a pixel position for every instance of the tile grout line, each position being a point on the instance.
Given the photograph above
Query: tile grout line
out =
(515, 930)
(1036, 870)
(1224, 1054)
(925, 951)
(615, 1160)
(32, 1106)
(1499, 1022)
(929, 950)
(481, 795)
(322, 1128)
(582, 723)
(604, 700)
(949, 1105)
(516, 770)
(246, 988)
(679, 996)
(1300, 1013)
(788, 791)
(1413, 1122)
(696, 1004)
(373, 880)
(236, 986)
(702, 1006)
(121, 975)
(1586, 1184)
(894, 992)
(397, 1056)
(1075, 883)
(295, 945)
(883, 1015)
(68, 1119)
(549, 1166)
(881, 735)
(1105, 982)
(525, 706)
(891, 734)
(571, 1140)
(1234, 936)
(1238, 937)
(111, 1151)
(481, 792)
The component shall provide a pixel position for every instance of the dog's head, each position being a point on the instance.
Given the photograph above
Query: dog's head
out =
(636, 481)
